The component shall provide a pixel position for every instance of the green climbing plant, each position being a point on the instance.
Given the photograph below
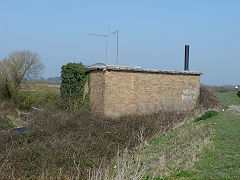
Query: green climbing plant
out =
(74, 77)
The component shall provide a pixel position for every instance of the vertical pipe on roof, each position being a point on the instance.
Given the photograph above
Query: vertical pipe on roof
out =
(186, 64)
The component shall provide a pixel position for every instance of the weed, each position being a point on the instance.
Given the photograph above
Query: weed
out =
(182, 174)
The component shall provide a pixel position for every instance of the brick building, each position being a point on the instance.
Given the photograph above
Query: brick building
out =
(117, 89)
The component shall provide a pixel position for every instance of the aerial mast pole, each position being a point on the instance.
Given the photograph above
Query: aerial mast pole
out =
(109, 35)
(105, 36)
(116, 32)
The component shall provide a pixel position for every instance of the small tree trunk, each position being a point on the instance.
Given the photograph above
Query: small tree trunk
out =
(8, 92)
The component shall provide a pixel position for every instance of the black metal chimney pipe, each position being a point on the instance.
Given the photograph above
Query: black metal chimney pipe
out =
(186, 64)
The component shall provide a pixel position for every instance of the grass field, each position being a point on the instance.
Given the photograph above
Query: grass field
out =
(230, 97)
(221, 160)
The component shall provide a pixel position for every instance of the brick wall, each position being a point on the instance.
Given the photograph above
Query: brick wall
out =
(120, 92)
(97, 91)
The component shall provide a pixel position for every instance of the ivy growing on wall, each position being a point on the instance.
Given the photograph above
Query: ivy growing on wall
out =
(74, 77)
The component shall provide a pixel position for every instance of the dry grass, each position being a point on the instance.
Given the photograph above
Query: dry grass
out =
(162, 156)
(32, 86)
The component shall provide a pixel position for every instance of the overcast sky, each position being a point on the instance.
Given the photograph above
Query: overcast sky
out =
(152, 34)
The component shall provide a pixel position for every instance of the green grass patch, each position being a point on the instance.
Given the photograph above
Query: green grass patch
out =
(182, 174)
(8, 122)
(207, 115)
(17, 122)
(221, 160)
(5, 124)
(230, 97)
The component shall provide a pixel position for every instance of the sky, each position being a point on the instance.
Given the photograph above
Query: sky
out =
(152, 34)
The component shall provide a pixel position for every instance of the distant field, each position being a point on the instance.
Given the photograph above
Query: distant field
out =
(41, 87)
(230, 97)
(37, 94)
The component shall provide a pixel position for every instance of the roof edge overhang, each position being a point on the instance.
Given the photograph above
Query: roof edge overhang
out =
(106, 68)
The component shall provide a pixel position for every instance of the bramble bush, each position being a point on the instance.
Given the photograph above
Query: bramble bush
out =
(67, 144)
(209, 99)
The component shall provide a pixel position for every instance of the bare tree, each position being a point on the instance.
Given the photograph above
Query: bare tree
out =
(15, 68)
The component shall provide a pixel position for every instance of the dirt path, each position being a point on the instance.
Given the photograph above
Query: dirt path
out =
(235, 107)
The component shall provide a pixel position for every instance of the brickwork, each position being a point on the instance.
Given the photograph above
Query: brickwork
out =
(97, 91)
(121, 92)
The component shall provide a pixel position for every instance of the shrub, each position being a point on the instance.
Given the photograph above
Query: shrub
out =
(37, 98)
(27, 99)
(207, 115)
(208, 98)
